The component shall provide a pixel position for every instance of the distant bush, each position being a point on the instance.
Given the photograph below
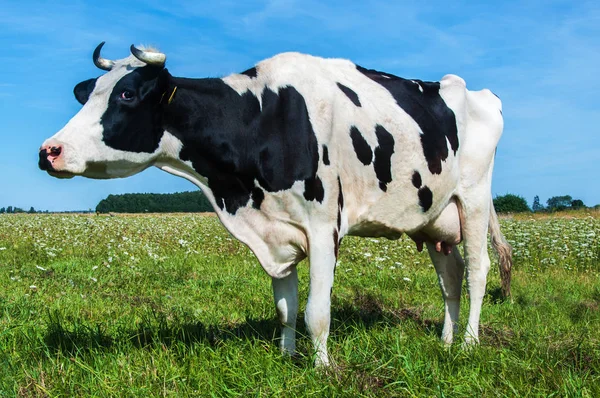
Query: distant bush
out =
(510, 203)
(180, 202)
(564, 202)
(557, 203)
(577, 204)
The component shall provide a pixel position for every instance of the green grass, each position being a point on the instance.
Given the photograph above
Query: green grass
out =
(173, 306)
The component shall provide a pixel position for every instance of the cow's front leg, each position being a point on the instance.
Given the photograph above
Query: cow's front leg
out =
(285, 292)
(322, 259)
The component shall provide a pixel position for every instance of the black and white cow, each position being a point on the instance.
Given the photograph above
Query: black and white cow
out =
(299, 151)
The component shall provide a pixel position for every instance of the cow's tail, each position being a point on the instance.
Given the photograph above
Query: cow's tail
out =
(504, 251)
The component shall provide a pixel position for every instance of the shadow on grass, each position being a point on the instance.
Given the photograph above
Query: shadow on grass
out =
(367, 310)
(496, 295)
(75, 337)
(363, 311)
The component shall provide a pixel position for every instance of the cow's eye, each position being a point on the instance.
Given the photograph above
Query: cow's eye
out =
(127, 95)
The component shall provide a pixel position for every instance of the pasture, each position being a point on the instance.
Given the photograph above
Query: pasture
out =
(172, 305)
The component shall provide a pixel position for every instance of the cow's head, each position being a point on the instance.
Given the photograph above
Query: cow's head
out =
(118, 131)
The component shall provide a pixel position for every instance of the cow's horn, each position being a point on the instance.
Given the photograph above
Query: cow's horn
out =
(102, 63)
(149, 57)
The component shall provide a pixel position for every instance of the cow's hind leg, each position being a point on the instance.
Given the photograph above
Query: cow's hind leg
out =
(285, 292)
(322, 259)
(474, 224)
(450, 270)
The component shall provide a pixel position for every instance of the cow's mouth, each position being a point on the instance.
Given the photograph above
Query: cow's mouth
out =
(60, 174)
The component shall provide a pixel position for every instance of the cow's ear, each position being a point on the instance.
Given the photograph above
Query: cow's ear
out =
(155, 87)
(83, 90)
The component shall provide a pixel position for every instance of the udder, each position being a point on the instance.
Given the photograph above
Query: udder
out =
(443, 232)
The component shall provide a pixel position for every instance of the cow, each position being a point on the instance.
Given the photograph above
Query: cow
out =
(299, 151)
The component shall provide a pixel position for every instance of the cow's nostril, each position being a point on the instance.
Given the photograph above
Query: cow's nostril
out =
(55, 150)
(44, 163)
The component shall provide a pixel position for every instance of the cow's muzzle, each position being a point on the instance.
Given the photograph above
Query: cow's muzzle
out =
(47, 157)
(52, 161)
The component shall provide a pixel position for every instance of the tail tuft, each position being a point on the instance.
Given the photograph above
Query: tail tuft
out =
(504, 251)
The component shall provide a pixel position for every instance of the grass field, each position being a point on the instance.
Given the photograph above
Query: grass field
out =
(171, 305)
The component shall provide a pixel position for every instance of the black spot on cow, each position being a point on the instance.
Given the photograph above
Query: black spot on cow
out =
(336, 240)
(350, 94)
(258, 195)
(416, 179)
(325, 155)
(83, 90)
(336, 243)
(250, 72)
(313, 189)
(361, 146)
(232, 142)
(340, 195)
(132, 121)
(425, 198)
(383, 156)
(436, 120)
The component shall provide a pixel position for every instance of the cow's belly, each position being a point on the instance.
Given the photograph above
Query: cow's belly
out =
(444, 228)
(409, 205)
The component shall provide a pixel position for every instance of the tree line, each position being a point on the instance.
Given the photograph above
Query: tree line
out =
(180, 202)
(13, 210)
(510, 203)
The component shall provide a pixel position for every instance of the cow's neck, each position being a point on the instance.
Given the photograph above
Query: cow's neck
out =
(213, 122)
(209, 117)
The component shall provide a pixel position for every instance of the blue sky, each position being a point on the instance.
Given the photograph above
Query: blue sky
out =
(541, 57)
